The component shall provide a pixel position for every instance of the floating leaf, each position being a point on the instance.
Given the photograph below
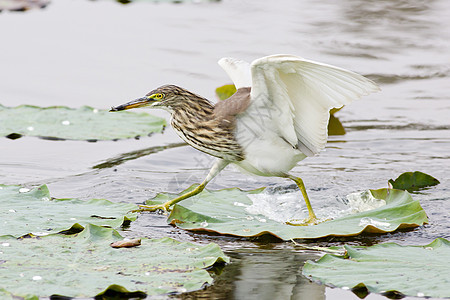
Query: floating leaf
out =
(335, 110)
(413, 181)
(126, 243)
(335, 126)
(85, 123)
(84, 265)
(24, 211)
(227, 212)
(420, 271)
(225, 91)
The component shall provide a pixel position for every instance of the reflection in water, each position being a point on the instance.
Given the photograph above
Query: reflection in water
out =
(262, 274)
(122, 158)
(22, 5)
(426, 72)
(399, 15)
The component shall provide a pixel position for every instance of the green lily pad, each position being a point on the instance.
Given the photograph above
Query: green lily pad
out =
(241, 213)
(420, 271)
(413, 181)
(24, 211)
(335, 126)
(85, 123)
(225, 91)
(84, 265)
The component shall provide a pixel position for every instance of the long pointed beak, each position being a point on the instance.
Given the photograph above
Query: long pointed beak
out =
(140, 102)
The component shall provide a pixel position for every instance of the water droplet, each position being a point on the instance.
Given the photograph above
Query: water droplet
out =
(428, 248)
(262, 220)
(73, 219)
(95, 111)
(40, 233)
(66, 122)
(37, 277)
(191, 249)
(239, 204)
(5, 244)
(30, 128)
(204, 224)
(345, 288)
(147, 273)
(419, 294)
(24, 190)
(12, 210)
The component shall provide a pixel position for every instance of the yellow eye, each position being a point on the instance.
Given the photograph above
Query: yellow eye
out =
(159, 96)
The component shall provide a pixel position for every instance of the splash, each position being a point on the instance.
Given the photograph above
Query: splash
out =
(290, 206)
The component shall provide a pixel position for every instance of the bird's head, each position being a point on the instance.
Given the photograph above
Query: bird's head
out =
(166, 97)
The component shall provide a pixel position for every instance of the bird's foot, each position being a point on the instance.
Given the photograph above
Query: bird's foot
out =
(311, 220)
(157, 207)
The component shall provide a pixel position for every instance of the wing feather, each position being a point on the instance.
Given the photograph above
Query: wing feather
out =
(293, 96)
(237, 70)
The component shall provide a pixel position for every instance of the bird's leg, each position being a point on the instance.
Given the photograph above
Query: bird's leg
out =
(312, 219)
(216, 168)
(166, 206)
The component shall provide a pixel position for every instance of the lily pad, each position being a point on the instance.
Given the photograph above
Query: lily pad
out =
(84, 265)
(225, 91)
(85, 123)
(229, 212)
(335, 126)
(24, 211)
(413, 181)
(420, 271)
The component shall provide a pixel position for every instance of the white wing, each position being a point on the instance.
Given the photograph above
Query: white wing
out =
(237, 70)
(292, 96)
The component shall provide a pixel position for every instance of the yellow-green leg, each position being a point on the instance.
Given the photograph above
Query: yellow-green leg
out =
(312, 219)
(216, 168)
(166, 206)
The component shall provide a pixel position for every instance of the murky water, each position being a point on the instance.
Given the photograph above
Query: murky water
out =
(103, 53)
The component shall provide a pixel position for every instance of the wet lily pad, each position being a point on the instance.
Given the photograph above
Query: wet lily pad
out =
(24, 211)
(420, 271)
(231, 212)
(84, 265)
(85, 123)
(413, 181)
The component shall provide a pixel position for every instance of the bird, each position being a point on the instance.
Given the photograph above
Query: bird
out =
(277, 117)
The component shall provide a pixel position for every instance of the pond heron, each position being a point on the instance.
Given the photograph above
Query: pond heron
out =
(277, 117)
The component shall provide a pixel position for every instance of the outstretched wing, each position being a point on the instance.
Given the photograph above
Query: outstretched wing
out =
(238, 71)
(292, 97)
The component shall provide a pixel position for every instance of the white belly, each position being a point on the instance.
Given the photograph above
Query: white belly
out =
(269, 156)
